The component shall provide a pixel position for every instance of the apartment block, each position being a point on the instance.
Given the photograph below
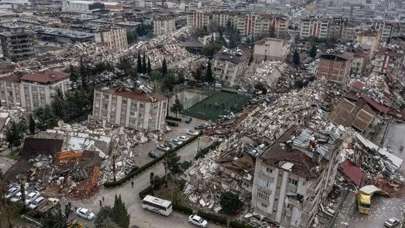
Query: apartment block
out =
(164, 25)
(229, 65)
(314, 27)
(113, 39)
(271, 49)
(369, 40)
(294, 176)
(132, 109)
(247, 23)
(81, 6)
(334, 67)
(17, 45)
(34, 90)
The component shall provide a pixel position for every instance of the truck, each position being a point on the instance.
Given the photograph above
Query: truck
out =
(364, 195)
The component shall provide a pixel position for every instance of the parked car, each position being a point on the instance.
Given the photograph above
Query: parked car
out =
(392, 222)
(183, 138)
(176, 142)
(12, 191)
(85, 213)
(197, 220)
(156, 154)
(188, 120)
(164, 147)
(35, 203)
(31, 197)
(193, 132)
(16, 197)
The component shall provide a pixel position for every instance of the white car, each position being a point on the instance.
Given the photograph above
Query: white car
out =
(16, 197)
(183, 138)
(176, 142)
(163, 147)
(392, 222)
(85, 213)
(35, 203)
(197, 220)
(12, 191)
(31, 197)
(193, 132)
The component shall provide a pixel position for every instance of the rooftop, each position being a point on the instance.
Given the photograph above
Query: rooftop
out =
(45, 77)
(134, 95)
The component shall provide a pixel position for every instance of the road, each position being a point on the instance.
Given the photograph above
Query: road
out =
(129, 195)
(381, 208)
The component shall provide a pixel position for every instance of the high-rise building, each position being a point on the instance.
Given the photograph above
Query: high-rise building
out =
(17, 45)
(164, 25)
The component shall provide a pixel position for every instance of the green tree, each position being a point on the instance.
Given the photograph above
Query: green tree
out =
(164, 68)
(168, 83)
(313, 51)
(132, 37)
(45, 118)
(73, 74)
(55, 218)
(144, 65)
(103, 219)
(15, 133)
(177, 106)
(209, 77)
(173, 163)
(119, 213)
(296, 58)
(31, 125)
(149, 68)
(139, 63)
(230, 203)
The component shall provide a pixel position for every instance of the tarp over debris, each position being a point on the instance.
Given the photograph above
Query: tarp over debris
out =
(352, 172)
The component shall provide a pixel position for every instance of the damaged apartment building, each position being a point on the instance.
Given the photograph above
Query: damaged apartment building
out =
(32, 90)
(127, 108)
(295, 174)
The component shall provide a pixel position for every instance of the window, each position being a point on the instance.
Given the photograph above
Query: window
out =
(269, 170)
(292, 181)
(263, 195)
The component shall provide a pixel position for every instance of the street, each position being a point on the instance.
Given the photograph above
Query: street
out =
(382, 208)
(129, 195)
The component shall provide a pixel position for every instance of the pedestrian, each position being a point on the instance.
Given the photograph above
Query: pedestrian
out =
(101, 203)
(132, 184)
(103, 198)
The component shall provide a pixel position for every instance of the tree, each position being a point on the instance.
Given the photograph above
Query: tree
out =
(313, 51)
(198, 74)
(55, 218)
(119, 213)
(103, 219)
(149, 67)
(168, 83)
(230, 203)
(45, 118)
(209, 77)
(164, 68)
(131, 37)
(31, 125)
(144, 66)
(139, 63)
(296, 58)
(173, 163)
(15, 133)
(74, 75)
(177, 106)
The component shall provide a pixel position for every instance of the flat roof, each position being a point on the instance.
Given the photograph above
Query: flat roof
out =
(45, 77)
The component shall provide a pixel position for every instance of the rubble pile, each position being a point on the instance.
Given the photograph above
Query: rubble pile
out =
(266, 73)
(6, 116)
(375, 87)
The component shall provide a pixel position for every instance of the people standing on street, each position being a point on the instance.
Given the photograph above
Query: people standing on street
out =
(132, 184)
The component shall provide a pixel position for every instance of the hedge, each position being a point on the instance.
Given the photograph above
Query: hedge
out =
(136, 171)
(182, 209)
(203, 152)
(216, 218)
(147, 191)
(172, 124)
(173, 118)
(237, 224)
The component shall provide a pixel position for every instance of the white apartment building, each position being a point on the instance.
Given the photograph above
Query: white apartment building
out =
(293, 177)
(32, 91)
(229, 65)
(113, 39)
(314, 27)
(271, 49)
(80, 6)
(132, 109)
(164, 25)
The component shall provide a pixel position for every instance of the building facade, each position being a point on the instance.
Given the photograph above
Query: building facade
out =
(291, 180)
(32, 91)
(335, 68)
(81, 6)
(132, 109)
(270, 49)
(113, 39)
(247, 23)
(164, 25)
(17, 45)
(229, 65)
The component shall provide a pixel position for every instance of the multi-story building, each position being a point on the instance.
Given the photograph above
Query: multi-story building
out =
(81, 6)
(229, 65)
(164, 25)
(314, 27)
(17, 45)
(132, 109)
(294, 176)
(333, 67)
(114, 38)
(247, 23)
(34, 90)
(369, 40)
(270, 49)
